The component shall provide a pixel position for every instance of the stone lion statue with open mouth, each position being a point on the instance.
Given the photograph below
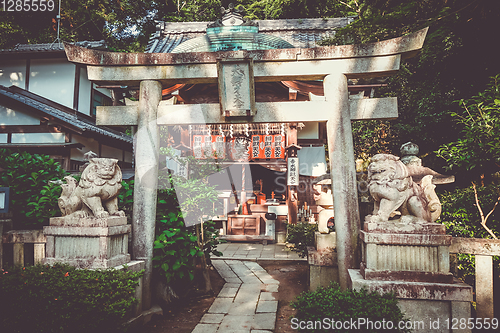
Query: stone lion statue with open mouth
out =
(98, 189)
(393, 190)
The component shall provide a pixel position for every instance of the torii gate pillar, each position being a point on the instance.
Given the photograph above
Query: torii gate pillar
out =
(146, 147)
(343, 174)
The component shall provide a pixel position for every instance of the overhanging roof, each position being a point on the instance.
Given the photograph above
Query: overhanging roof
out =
(46, 50)
(304, 33)
(61, 115)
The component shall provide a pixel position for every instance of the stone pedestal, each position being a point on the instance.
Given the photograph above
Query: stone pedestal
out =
(322, 261)
(412, 261)
(8, 223)
(406, 252)
(88, 242)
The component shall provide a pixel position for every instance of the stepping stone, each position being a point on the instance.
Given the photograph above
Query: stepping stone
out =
(273, 288)
(228, 292)
(264, 321)
(233, 280)
(246, 308)
(267, 296)
(212, 318)
(221, 305)
(205, 328)
(267, 306)
(235, 323)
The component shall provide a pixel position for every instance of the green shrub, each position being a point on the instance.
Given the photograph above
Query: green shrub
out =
(175, 247)
(347, 305)
(33, 198)
(126, 199)
(61, 298)
(302, 236)
(461, 218)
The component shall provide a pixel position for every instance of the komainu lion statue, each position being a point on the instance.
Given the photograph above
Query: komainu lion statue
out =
(393, 189)
(98, 188)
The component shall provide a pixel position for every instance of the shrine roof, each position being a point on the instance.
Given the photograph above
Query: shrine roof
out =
(301, 33)
(48, 49)
(60, 114)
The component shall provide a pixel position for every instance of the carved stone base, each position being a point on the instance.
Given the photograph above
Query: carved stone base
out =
(405, 252)
(67, 221)
(399, 227)
(430, 305)
(89, 245)
(410, 276)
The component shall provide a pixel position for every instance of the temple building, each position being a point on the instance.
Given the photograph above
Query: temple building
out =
(48, 106)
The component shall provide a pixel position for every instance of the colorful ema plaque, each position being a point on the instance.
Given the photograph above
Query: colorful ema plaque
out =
(255, 147)
(267, 147)
(209, 146)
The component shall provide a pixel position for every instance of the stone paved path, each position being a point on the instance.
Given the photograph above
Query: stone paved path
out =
(250, 251)
(246, 303)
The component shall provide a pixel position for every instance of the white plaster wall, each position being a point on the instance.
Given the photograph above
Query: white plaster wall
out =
(13, 73)
(110, 152)
(15, 117)
(37, 137)
(90, 145)
(84, 92)
(3, 137)
(53, 79)
(310, 131)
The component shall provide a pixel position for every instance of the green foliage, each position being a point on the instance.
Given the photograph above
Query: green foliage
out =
(477, 151)
(176, 246)
(126, 25)
(372, 137)
(126, 198)
(460, 215)
(461, 218)
(347, 305)
(427, 85)
(121, 23)
(61, 298)
(33, 198)
(302, 236)
(288, 9)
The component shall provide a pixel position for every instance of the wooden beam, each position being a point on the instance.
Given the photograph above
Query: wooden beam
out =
(269, 71)
(43, 128)
(267, 112)
(76, 90)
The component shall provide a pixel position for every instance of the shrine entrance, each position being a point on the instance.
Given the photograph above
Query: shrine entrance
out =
(235, 72)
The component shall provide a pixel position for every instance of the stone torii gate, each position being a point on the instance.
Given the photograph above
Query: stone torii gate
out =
(236, 71)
